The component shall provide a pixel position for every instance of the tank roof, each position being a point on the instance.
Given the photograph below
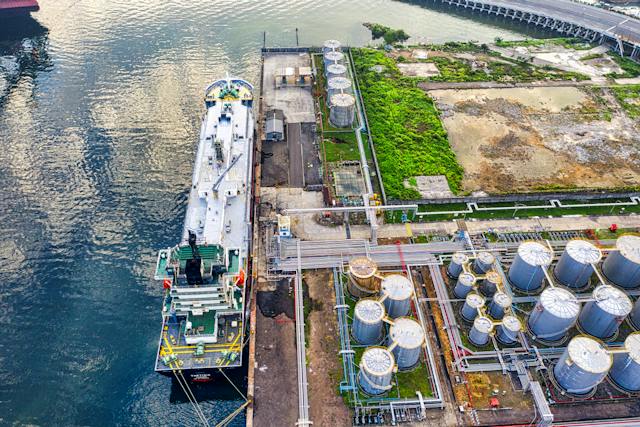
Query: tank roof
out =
(511, 323)
(332, 44)
(467, 279)
(483, 324)
(612, 300)
(333, 55)
(342, 100)
(459, 258)
(362, 267)
(486, 257)
(406, 332)
(339, 83)
(583, 251)
(502, 299)
(629, 246)
(632, 345)
(535, 253)
(336, 69)
(589, 354)
(377, 360)
(560, 302)
(369, 310)
(493, 277)
(396, 287)
(475, 300)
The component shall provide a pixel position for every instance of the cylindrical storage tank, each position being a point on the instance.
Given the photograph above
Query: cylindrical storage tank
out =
(471, 305)
(490, 284)
(397, 291)
(455, 268)
(333, 57)
(464, 285)
(602, 316)
(479, 333)
(635, 315)
(622, 266)
(338, 85)
(527, 270)
(625, 371)
(335, 70)
(362, 277)
(343, 110)
(499, 304)
(483, 262)
(376, 370)
(330, 45)
(583, 365)
(406, 338)
(367, 321)
(576, 264)
(507, 331)
(554, 314)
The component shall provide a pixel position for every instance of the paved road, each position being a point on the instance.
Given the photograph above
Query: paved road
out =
(580, 14)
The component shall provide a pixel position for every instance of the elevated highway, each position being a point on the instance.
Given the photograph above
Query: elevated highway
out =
(566, 17)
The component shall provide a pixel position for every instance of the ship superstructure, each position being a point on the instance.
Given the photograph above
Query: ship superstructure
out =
(203, 310)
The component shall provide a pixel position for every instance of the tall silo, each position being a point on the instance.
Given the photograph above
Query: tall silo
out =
(335, 70)
(367, 321)
(625, 371)
(396, 290)
(602, 315)
(406, 338)
(527, 270)
(622, 266)
(490, 284)
(456, 266)
(362, 277)
(483, 262)
(338, 85)
(634, 317)
(330, 45)
(575, 266)
(343, 110)
(499, 304)
(583, 365)
(333, 57)
(481, 331)
(554, 314)
(376, 370)
(471, 305)
(464, 285)
(508, 330)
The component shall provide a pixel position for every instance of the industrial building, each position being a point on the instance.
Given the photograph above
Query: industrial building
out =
(274, 126)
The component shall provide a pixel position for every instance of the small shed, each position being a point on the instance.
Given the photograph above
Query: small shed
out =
(274, 125)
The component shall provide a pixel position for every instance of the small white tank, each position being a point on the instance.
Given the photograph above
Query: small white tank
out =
(406, 338)
(464, 285)
(376, 370)
(367, 321)
(458, 260)
(471, 305)
(396, 290)
(335, 70)
(575, 266)
(333, 57)
(343, 110)
(584, 364)
(483, 262)
(499, 303)
(480, 331)
(330, 45)
(337, 85)
(508, 330)
(625, 372)
(491, 283)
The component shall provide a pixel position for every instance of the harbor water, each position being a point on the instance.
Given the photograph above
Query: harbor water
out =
(100, 105)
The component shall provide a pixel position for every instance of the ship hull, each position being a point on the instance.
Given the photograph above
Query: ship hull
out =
(14, 8)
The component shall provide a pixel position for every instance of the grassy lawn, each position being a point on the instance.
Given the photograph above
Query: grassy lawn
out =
(629, 99)
(630, 68)
(567, 42)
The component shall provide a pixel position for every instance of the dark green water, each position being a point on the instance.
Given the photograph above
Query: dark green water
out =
(99, 115)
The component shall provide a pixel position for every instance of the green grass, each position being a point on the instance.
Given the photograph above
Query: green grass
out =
(405, 125)
(567, 42)
(415, 380)
(630, 68)
(629, 99)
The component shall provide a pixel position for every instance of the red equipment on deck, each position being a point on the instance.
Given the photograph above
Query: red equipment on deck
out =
(18, 7)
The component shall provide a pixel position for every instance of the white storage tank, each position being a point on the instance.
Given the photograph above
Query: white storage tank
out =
(481, 331)
(406, 338)
(471, 305)
(554, 314)
(508, 330)
(625, 371)
(622, 265)
(464, 285)
(583, 365)
(576, 264)
(338, 85)
(458, 260)
(335, 70)
(499, 304)
(376, 370)
(396, 290)
(333, 57)
(483, 262)
(362, 277)
(330, 45)
(527, 270)
(634, 317)
(343, 110)
(367, 321)
(491, 283)
(602, 316)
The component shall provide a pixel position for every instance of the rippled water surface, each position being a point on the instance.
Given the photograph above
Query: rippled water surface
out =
(99, 110)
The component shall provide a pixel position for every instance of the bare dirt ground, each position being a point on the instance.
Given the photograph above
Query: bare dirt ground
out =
(523, 139)
(326, 406)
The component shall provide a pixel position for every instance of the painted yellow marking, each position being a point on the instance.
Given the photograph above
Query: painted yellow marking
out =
(407, 225)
